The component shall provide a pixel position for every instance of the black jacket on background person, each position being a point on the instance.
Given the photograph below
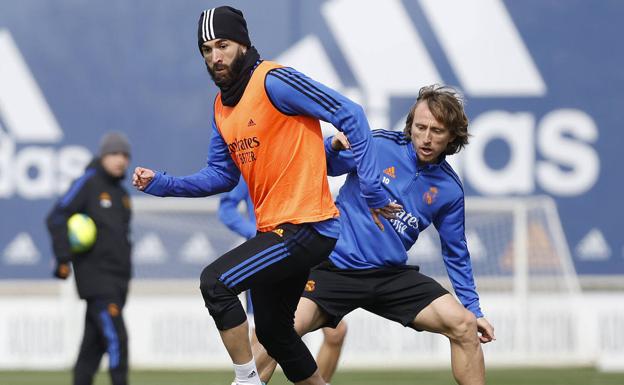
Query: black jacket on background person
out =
(105, 269)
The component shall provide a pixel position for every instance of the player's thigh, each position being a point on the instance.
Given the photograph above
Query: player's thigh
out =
(334, 293)
(309, 316)
(443, 315)
(400, 293)
(247, 263)
(273, 258)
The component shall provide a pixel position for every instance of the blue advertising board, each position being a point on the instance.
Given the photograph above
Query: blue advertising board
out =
(542, 81)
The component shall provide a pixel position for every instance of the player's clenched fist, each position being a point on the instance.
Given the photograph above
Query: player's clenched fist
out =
(142, 177)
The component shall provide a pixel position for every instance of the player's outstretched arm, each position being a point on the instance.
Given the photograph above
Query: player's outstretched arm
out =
(450, 225)
(296, 94)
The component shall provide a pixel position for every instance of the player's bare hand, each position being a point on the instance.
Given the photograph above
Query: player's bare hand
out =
(389, 212)
(486, 331)
(340, 142)
(142, 177)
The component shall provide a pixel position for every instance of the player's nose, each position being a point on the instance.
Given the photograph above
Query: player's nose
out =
(217, 56)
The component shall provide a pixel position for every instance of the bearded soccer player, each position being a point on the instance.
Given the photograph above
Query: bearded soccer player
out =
(266, 128)
(368, 270)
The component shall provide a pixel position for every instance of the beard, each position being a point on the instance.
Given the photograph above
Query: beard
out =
(231, 73)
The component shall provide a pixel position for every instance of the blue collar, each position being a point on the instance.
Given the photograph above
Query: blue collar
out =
(414, 157)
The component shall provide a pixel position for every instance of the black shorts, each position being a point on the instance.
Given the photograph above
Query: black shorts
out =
(397, 293)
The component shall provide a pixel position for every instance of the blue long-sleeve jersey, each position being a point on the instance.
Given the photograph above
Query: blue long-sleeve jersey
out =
(292, 93)
(428, 193)
(231, 217)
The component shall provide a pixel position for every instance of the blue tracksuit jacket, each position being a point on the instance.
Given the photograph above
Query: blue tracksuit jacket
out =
(428, 193)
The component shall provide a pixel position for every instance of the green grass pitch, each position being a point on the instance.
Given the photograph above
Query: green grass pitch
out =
(521, 376)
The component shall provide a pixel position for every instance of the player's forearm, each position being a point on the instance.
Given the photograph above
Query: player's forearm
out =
(351, 120)
(470, 299)
(462, 279)
(294, 93)
(201, 184)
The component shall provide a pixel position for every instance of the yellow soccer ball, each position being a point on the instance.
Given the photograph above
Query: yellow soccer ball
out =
(82, 232)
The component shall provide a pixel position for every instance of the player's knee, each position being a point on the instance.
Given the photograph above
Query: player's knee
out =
(464, 328)
(222, 302)
(208, 280)
(337, 335)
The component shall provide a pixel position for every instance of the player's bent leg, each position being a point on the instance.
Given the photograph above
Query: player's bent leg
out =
(222, 301)
(274, 313)
(446, 316)
(275, 265)
(308, 317)
(228, 314)
(329, 353)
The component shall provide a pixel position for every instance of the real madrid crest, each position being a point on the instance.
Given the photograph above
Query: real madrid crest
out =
(105, 200)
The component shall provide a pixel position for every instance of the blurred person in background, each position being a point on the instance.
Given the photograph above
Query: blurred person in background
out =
(103, 272)
(245, 226)
(368, 267)
(266, 128)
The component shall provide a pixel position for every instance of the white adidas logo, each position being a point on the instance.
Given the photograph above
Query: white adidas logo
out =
(25, 118)
(501, 68)
(389, 57)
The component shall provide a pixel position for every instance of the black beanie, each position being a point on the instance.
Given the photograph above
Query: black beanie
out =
(222, 23)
